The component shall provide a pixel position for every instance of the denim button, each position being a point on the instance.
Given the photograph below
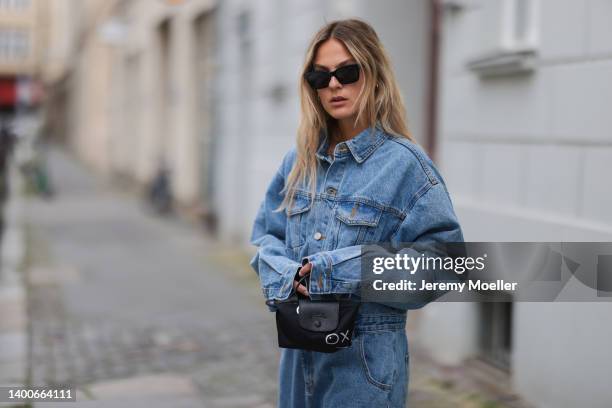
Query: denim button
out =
(318, 236)
(331, 191)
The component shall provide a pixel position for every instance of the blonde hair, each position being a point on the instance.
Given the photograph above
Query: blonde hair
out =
(379, 99)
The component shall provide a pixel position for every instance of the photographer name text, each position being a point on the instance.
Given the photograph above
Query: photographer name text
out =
(477, 285)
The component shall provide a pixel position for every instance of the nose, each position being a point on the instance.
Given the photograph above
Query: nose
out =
(334, 83)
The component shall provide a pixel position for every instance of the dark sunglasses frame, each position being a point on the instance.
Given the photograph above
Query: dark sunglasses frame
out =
(345, 75)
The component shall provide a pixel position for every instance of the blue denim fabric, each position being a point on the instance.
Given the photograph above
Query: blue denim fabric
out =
(375, 188)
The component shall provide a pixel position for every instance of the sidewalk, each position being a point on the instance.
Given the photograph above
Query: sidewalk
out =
(140, 311)
(137, 310)
(13, 321)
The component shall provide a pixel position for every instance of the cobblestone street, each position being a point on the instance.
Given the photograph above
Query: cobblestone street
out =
(142, 311)
(116, 293)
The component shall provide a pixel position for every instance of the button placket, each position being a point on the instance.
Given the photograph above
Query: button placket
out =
(323, 216)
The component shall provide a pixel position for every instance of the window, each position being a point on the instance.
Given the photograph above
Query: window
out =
(496, 333)
(14, 4)
(20, 44)
(14, 44)
(520, 24)
(508, 32)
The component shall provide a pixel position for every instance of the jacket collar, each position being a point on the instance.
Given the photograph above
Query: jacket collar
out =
(361, 146)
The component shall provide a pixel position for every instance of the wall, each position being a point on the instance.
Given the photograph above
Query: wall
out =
(526, 158)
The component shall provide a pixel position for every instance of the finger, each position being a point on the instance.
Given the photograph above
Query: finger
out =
(306, 269)
(302, 289)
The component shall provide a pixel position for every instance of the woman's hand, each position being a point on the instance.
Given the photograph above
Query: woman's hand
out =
(304, 270)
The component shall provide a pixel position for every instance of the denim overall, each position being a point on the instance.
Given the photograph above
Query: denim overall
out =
(375, 188)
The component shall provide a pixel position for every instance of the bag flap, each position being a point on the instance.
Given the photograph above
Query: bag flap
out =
(318, 316)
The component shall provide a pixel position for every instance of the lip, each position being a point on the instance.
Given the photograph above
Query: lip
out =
(338, 101)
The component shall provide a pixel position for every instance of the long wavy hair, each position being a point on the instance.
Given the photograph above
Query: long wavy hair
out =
(379, 100)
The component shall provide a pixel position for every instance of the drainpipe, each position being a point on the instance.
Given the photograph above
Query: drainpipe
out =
(435, 25)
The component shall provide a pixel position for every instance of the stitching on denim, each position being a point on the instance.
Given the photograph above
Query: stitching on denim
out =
(372, 203)
(397, 227)
(347, 221)
(416, 196)
(295, 233)
(328, 273)
(390, 327)
(368, 374)
(381, 139)
(404, 142)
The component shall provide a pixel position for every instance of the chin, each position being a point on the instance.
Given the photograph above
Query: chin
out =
(341, 114)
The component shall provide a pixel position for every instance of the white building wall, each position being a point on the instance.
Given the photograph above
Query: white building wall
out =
(527, 158)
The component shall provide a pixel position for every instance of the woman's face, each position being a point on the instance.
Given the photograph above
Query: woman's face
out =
(340, 101)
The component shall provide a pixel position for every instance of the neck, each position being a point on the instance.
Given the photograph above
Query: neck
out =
(345, 129)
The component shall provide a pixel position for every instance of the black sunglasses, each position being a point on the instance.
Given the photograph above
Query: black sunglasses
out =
(345, 75)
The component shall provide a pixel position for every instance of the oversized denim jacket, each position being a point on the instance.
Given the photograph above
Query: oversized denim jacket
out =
(376, 188)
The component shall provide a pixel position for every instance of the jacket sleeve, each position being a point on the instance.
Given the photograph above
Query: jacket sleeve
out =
(430, 220)
(272, 262)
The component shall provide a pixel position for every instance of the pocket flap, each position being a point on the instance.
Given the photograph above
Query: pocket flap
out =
(300, 204)
(358, 213)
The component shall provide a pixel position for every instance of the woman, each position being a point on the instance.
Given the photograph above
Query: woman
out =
(356, 177)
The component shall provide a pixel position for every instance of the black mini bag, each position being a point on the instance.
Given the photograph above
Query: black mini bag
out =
(319, 325)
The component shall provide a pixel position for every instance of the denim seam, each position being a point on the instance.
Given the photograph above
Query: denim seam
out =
(397, 227)
(328, 271)
(364, 223)
(299, 210)
(390, 327)
(416, 196)
(373, 203)
(417, 154)
(367, 373)
(306, 374)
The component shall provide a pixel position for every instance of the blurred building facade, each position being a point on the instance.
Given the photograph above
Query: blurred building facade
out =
(515, 116)
(22, 34)
(129, 92)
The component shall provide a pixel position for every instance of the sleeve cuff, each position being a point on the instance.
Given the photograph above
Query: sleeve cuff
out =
(320, 275)
(282, 292)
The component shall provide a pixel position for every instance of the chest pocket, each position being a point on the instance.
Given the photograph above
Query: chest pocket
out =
(297, 221)
(357, 223)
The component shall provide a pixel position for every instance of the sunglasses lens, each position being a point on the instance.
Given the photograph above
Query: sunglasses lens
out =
(345, 75)
(318, 79)
(348, 74)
